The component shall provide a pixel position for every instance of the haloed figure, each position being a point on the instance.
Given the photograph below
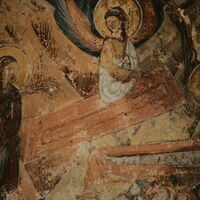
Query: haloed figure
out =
(118, 67)
(10, 119)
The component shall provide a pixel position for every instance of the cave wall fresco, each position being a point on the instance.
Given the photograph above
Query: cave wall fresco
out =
(30, 26)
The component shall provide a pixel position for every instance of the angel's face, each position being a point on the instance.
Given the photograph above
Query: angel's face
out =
(113, 23)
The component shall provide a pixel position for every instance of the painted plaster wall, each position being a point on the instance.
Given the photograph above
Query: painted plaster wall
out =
(61, 175)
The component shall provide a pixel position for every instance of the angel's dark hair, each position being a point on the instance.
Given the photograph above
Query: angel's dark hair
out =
(117, 12)
(121, 15)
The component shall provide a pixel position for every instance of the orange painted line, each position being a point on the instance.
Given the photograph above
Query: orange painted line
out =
(168, 147)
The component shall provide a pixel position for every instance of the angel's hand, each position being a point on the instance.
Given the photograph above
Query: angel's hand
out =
(122, 75)
(123, 62)
(126, 75)
(126, 63)
(126, 60)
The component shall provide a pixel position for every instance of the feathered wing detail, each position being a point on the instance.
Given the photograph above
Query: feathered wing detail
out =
(76, 26)
(152, 20)
(71, 17)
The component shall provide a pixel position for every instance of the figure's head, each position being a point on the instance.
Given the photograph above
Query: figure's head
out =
(115, 19)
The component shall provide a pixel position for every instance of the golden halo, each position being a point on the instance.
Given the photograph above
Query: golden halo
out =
(131, 8)
(25, 68)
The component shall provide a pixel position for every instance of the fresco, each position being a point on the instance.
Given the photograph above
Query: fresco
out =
(10, 115)
(145, 177)
(99, 100)
(67, 22)
(96, 32)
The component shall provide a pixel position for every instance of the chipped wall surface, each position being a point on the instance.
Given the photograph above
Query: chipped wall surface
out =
(60, 139)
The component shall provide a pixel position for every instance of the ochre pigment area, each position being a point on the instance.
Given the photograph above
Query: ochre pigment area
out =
(99, 100)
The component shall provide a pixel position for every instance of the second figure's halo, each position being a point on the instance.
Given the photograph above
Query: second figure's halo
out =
(131, 8)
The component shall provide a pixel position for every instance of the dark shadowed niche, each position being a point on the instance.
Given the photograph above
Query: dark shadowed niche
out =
(10, 120)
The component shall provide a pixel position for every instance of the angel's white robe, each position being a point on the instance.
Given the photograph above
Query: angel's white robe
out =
(110, 89)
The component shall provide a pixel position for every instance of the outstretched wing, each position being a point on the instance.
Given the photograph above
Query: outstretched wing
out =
(76, 25)
(75, 19)
(152, 19)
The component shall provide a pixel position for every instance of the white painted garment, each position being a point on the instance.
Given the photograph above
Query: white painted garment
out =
(109, 88)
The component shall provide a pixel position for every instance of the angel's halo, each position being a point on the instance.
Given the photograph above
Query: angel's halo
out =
(132, 9)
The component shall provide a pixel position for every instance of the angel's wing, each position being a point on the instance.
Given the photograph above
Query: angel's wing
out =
(76, 26)
(75, 19)
(152, 19)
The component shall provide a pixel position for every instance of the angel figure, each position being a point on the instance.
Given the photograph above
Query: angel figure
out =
(118, 66)
(107, 31)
